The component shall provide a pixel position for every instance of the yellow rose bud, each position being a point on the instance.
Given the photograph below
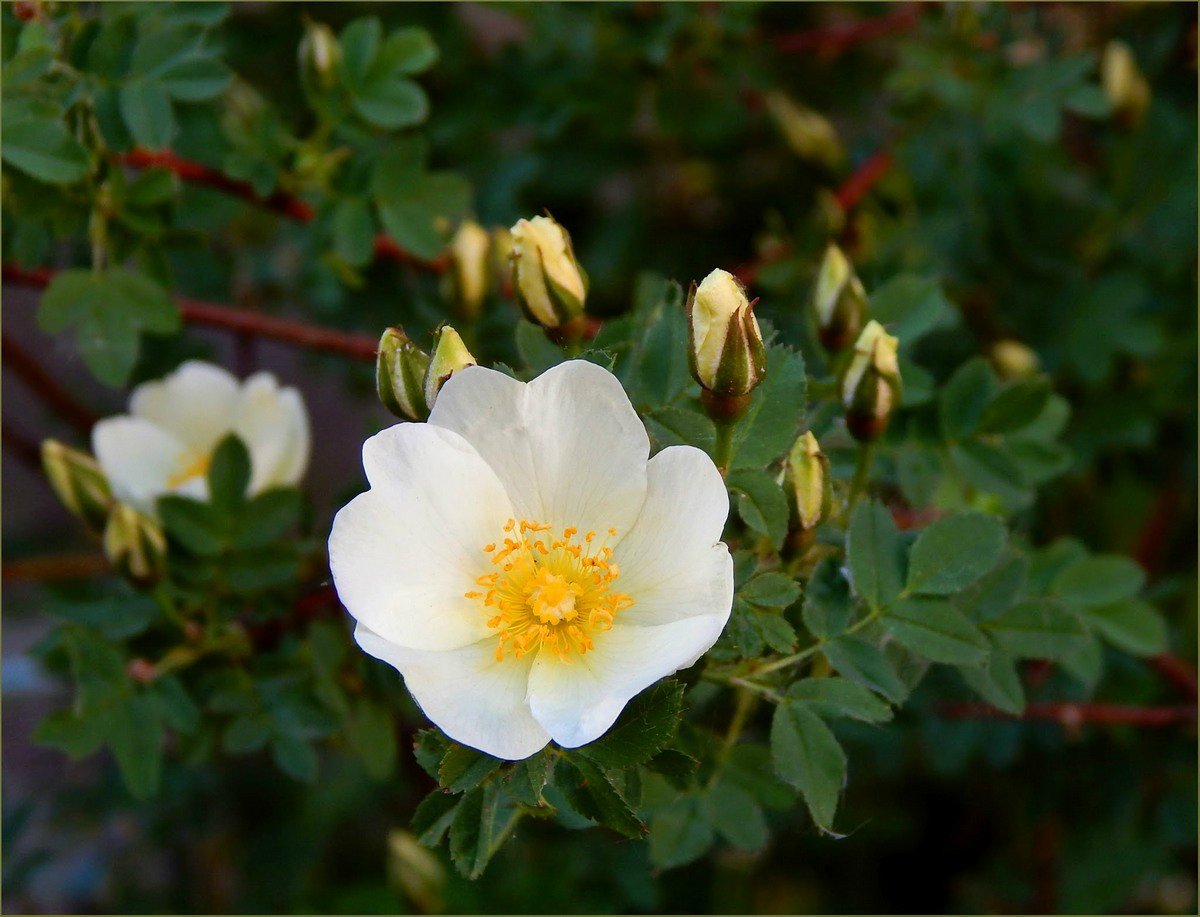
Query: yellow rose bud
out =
(871, 386)
(807, 482)
(468, 278)
(78, 481)
(810, 135)
(450, 355)
(135, 545)
(1013, 360)
(417, 871)
(726, 350)
(548, 282)
(839, 300)
(400, 375)
(1125, 86)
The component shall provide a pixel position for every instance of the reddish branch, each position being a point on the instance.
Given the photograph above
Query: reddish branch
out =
(196, 312)
(863, 179)
(289, 205)
(42, 383)
(1072, 715)
(831, 40)
(63, 566)
(1177, 672)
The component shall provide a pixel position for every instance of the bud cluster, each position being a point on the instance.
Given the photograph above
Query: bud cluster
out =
(407, 379)
(133, 542)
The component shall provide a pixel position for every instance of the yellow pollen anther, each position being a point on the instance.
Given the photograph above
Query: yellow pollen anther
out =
(550, 592)
(197, 468)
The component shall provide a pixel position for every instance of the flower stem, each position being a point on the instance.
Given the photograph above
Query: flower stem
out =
(810, 650)
(862, 470)
(723, 445)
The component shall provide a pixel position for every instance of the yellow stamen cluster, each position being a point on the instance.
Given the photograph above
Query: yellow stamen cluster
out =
(196, 468)
(549, 591)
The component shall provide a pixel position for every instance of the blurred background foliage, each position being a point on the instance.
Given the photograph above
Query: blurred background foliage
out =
(1034, 206)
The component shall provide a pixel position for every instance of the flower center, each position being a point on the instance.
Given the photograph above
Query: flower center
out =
(549, 591)
(197, 467)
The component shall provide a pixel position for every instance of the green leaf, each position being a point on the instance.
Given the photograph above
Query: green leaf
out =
(827, 599)
(964, 398)
(538, 353)
(371, 732)
(761, 503)
(953, 552)
(1038, 629)
(117, 617)
(429, 748)
(196, 80)
(997, 681)
(526, 779)
(1016, 407)
(645, 726)
(482, 821)
(679, 768)
(771, 590)
(247, 733)
(75, 734)
(149, 305)
(43, 149)
(410, 50)
(873, 553)
(593, 794)
(833, 697)
(464, 768)
(107, 311)
(432, 817)
(353, 231)
(192, 524)
(412, 212)
(1132, 625)
(679, 833)
(134, 731)
(391, 102)
(146, 108)
(735, 815)
(860, 660)
(267, 517)
(772, 421)
(807, 756)
(175, 705)
(933, 628)
(996, 591)
(360, 42)
(295, 757)
(229, 474)
(750, 766)
(1099, 580)
(911, 306)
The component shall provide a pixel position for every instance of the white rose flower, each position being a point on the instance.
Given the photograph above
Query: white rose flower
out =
(164, 444)
(524, 566)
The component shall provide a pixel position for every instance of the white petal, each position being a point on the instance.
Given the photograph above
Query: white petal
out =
(273, 424)
(578, 701)
(487, 408)
(196, 403)
(672, 561)
(139, 459)
(470, 696)
(405, 553)
(569, 448)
